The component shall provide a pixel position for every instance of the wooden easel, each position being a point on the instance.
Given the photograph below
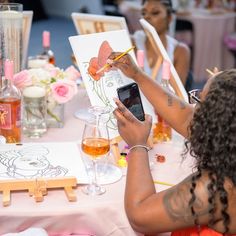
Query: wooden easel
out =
(157, 51)
(115, 148)
(38, 188)
(162, 55)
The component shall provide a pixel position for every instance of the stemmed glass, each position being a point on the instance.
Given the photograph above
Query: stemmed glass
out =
(98, 111)
(95, 143)
(91, 112)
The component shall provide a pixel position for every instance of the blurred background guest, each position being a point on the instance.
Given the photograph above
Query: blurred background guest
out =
(159, 14)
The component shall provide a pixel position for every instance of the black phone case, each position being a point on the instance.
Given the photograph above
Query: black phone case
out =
(134, 93)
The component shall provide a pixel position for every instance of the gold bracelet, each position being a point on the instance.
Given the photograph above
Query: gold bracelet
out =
(140, 146)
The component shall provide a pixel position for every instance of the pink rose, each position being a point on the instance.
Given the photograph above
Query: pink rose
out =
(72, 73)
(63, 90)
(53, 70)
(22, 79)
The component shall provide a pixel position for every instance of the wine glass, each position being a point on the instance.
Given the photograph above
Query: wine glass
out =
(91, 112)
(95, 143)
(98, 111)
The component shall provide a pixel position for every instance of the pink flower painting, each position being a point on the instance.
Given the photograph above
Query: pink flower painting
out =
(98, 62)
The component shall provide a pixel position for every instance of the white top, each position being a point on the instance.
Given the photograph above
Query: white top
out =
(140, 38)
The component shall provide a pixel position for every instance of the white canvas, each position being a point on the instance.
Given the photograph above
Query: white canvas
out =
(179, 86)
(42, 160)
(102, 92)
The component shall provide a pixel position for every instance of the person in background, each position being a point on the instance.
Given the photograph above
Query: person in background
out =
(159, 14)
(205, 202)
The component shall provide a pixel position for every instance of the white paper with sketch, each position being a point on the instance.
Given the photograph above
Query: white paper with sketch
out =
(46, 160)
(91, 52)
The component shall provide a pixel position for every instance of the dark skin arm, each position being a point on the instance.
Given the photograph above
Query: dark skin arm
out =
(182, 61)
(148, 211)
(173, 109)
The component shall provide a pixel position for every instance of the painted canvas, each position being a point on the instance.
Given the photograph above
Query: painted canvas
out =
(91, 52)
(42, 160)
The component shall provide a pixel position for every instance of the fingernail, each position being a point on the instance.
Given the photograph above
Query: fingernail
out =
(109, 61)
(115, 99)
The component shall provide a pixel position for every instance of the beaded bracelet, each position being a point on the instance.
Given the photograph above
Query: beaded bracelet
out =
(140, 146)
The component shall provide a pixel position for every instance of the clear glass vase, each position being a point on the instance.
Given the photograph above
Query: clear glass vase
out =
(55, 116)
(11, 23)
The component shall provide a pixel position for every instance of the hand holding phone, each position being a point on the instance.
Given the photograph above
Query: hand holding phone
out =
(129, 95)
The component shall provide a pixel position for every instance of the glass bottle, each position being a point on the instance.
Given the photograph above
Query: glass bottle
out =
(47, 52)
(140, 58)
(162, 131)
(10, 107)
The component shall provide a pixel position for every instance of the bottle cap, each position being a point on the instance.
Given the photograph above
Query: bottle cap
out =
(8, 68)
(46, 39)
(140, 58)
(166, 70)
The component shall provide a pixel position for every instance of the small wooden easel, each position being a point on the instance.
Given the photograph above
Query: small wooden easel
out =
(115, 148)
(38, 187)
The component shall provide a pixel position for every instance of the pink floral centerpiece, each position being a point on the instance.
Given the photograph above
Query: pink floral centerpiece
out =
(60, 85)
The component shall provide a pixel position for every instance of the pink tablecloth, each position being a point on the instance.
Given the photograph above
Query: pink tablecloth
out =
(209, 48)
(102, 215)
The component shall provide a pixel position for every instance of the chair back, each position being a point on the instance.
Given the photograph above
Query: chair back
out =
(27, 22)
(90, 23)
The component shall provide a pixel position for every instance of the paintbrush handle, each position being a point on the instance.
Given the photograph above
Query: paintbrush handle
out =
(162, 183)
(103, 68)
(210, 72)
(124, 53)
(116, 58)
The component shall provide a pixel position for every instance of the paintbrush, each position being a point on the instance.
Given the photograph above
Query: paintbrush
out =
(116, 58)
(162, 183)
(210, 72)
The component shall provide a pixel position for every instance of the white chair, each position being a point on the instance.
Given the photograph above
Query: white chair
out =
(90, 23)
(27, 22)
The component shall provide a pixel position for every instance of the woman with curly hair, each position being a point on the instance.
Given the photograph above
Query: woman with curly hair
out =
(205, 202)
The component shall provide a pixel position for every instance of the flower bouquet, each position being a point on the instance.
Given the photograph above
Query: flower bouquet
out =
(60, 86)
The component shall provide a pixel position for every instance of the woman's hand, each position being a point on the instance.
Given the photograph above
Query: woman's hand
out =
(126, 64)
(130, 128)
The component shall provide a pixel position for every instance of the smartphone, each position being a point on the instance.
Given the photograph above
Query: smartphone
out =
(129, 95)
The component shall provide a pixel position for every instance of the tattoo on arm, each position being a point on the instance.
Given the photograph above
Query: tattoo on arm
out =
(176, 203)
(169, 99)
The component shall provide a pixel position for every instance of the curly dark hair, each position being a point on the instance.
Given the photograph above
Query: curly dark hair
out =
(212, 141)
